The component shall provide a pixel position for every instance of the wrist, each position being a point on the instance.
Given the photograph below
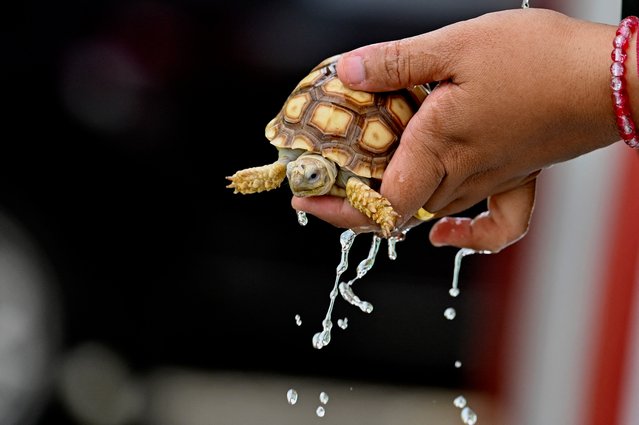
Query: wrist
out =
(592, 46)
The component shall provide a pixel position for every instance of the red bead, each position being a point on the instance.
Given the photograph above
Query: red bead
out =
(624, 31)
(625, 125)
(617, 69)
(616, 83)
(619, 98)
(633, 143)
(630, 21)
(621, 111)
(620, 42)
(618, 55)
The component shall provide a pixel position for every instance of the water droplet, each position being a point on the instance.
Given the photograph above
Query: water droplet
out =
(343, 323)
(320, 411)
(458, 364)
(392, 242)
(460, 402)
(468, 417)
(301, 218)
(291, 396)
(347, 293)
(454, 290)
(298, 320)
(450, 313)
(321, 339)
(323, 397)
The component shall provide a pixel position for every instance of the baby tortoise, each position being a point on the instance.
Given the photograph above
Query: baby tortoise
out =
(332, 140)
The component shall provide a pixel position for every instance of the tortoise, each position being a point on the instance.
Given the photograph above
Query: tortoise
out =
(332, 140)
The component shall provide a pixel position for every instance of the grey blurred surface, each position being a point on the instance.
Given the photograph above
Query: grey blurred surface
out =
(183, 396)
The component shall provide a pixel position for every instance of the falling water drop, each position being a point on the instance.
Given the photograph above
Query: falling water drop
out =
(454, 290)
(343, 323)
(392, 251)
(320, 411)
(323, 397)
(367, 263)
(468, 417)
(301, 218)
(458, 364)
(321, 339)
(392, 242)
(347, 293)
(460, 402)
(291, 396)
(298, 320)
(450, 313)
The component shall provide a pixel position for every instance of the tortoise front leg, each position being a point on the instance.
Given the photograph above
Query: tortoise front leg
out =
(266, 177)
(371, 203)
(258, 179)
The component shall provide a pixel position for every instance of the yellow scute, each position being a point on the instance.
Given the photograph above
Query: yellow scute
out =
(376, 136)
(400, 109)
(338, 155)
(271, 129)
(335, 86)
(331, 119)
(309, 80)
(279, 141)
(302, 142)
(296, 106)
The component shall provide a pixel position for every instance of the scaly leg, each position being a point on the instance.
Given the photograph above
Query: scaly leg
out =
(258, 179)
(371, 203)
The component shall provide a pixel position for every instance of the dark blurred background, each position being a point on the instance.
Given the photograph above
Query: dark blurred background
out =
(122, 119)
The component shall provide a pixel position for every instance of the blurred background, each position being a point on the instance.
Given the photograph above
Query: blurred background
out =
(136, 289)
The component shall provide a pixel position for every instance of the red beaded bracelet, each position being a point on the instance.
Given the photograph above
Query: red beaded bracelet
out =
(620, 102)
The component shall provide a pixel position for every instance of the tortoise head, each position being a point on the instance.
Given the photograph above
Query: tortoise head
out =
(311, 175)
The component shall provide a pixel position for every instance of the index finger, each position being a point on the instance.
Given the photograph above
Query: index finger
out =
(334, 210)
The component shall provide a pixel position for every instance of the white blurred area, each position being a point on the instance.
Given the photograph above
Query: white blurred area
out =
(29, 325)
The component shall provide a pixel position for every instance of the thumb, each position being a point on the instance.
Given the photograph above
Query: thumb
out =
(400, 63)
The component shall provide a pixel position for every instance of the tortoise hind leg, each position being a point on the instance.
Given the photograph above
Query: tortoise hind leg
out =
(371, 203)
(258, 179)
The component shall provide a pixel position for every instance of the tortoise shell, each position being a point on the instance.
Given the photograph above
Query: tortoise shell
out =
(357, 130)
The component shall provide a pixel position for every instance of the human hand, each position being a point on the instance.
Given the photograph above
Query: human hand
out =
(520, 90)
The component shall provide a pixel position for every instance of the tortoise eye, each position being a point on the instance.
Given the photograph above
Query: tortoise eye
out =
(313, 176)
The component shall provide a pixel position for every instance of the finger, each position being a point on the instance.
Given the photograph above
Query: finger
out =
(400, 63)
(469, 197)
(334, 210)
(505, 222)
(416, 170)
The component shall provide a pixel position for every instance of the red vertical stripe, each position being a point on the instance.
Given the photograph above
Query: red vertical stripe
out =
(499, 271)
(618, 285)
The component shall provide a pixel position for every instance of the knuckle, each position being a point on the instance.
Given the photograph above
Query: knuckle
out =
(396, 64)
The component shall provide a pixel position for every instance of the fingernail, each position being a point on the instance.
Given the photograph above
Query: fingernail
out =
(353, 70)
